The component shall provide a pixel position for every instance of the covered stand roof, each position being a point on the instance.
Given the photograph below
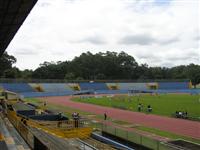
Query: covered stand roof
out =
(12, 15)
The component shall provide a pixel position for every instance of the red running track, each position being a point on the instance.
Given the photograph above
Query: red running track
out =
(177, 126)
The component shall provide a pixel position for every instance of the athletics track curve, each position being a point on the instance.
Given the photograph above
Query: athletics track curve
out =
(177, 126)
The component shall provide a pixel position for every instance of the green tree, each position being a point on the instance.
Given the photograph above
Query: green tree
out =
(12, 73)
(69, 76)
(6, 62)
(26, 74)
(193, 73)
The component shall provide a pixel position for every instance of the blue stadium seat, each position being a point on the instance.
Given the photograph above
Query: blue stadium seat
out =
(132, 86)
(188, 91)
(111, 92)
(45, 94)
(173, 85)
(17, 87)
(93, 86)
(55, 87)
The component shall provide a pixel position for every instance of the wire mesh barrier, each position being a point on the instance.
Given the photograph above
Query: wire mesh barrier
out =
(62, 125)
(65, 129)
(131, 136)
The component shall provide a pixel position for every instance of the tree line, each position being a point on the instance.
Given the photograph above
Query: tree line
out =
(99, 66)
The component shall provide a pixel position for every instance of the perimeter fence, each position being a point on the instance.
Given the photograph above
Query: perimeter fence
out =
(134, 137)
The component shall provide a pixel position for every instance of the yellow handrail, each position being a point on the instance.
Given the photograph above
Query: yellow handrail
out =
(71, 132)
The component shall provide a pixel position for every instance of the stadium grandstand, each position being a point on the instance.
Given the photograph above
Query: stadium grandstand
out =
(55, 87)
(173, 85)
(61, 89)
(93, 86)
(17, 87)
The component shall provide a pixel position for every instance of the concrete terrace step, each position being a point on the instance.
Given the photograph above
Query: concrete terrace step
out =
(12, 138)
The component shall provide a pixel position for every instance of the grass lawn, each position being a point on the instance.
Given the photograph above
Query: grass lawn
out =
(57, 108)
(166, 134)
(165, 104)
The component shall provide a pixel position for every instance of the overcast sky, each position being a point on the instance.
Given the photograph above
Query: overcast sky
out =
(157, 32)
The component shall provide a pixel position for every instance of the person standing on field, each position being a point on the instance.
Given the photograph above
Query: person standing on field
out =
(105, 116)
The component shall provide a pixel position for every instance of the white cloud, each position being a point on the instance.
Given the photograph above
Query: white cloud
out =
(153, 32)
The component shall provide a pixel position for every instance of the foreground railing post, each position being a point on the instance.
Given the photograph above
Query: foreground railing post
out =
(140, 140)
(158, 145)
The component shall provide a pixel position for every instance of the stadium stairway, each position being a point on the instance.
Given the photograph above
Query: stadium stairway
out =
(12, 138)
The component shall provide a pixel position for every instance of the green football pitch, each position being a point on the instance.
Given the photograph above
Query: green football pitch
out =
(165, 104)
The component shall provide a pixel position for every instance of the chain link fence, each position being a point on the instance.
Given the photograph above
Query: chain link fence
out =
(134, 137)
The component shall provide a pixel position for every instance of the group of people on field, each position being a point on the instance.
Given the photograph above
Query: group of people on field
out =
(140, 108)
(181, 114)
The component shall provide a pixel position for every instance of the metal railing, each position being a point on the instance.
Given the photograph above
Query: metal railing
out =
(86, 146)
(134, 137)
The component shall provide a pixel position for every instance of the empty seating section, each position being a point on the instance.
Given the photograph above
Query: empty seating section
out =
(133, 86)
(62, 89)
(46, 94)
(93, 86)
(17, 87)
(111, 92)
(55, 87)
(189, 91)
(173, 85)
